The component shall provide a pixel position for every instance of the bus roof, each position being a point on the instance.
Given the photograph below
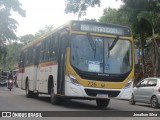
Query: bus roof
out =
(88, 26)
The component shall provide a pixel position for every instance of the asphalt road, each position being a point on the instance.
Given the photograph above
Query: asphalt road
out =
(16, 100)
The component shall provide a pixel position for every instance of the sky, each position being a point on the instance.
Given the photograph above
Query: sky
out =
(40, 13)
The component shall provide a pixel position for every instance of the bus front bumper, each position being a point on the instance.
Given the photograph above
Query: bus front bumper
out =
(76, 90)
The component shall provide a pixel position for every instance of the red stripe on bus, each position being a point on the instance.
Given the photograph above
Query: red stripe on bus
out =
(21, 70)
(47, 64)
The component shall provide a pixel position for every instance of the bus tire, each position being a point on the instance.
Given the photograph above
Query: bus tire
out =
(35, 95)
(54, 99)
(102, 103)
(29, 93)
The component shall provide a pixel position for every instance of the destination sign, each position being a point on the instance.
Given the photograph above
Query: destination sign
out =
(101, 28)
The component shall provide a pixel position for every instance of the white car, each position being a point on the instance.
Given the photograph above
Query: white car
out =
(147, 91)
(3, 80)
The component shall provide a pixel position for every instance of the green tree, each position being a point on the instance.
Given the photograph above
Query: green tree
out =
(8, 25)
(11, 59)
(43, 31)
(29, 37)
(146, 21)
(153, 20)
(26, 39)
(115, 16)
(12, 52)
(80, 6)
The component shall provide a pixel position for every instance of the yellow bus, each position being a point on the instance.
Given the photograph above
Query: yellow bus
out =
(79, 60)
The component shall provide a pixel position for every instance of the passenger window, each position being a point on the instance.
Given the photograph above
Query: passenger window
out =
(43, 51)
(152, 82)
(143, 83)
(22, 60)
(46, 53)
(25, 58)
(53, 47)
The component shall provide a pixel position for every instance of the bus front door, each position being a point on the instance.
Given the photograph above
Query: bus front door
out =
(61, 65)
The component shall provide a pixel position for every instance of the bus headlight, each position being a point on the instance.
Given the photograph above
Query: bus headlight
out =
(73, 78)
(129, 83)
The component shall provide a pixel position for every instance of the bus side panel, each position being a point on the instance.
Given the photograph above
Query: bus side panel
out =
(44, 72)
(29, 74)
(40, 79)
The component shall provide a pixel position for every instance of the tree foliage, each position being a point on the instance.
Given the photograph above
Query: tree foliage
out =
(8, 25)
(26, 39)
(115, 16)
(146, 21)
(43, 31)
(10, 61)
(80, 6)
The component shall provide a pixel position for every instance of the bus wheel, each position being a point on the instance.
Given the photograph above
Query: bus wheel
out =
(29, 93)
(54, 99)
(102, 103)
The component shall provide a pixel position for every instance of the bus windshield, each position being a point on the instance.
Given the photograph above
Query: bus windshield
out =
(102, 59)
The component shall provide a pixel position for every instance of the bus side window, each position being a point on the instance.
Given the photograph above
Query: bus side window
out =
(22, 58)
(46, 53)
(34, 55)
(53, 47)
(25, 59)
(30, 56)
(37, 54)
(42, 51)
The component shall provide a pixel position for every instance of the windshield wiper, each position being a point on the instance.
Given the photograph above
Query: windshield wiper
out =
(113, 43)
(92, 43)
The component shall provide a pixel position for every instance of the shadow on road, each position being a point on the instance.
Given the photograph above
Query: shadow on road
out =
(75, 104)
(143, 105)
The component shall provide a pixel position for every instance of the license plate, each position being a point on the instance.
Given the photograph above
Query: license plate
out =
(102, 96)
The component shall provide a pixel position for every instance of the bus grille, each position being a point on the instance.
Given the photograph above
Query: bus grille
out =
(93, 93)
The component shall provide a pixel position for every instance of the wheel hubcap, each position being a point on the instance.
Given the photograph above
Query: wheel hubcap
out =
(154, 102)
